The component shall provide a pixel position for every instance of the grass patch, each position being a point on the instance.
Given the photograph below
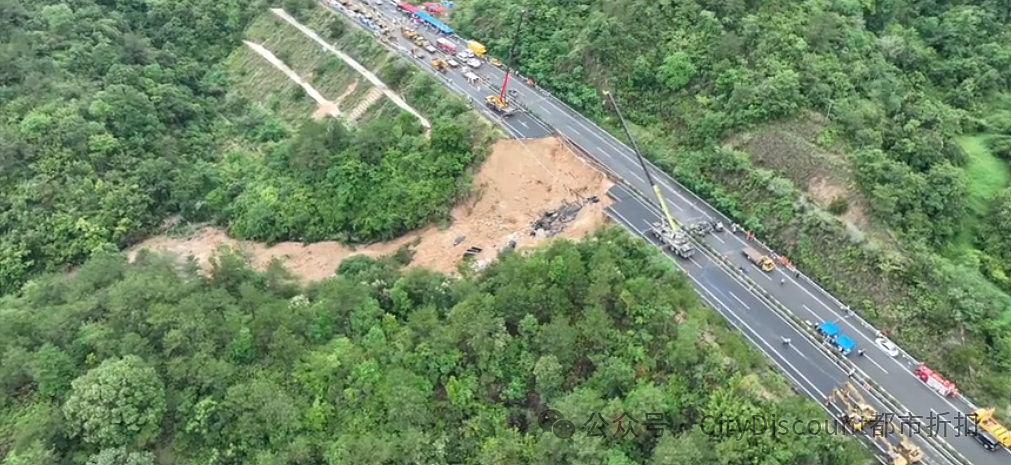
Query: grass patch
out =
(327, 73)
(356, 96)
(987, 175)
(383, 109)
(254, 77)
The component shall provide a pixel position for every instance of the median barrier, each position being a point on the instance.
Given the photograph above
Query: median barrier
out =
(695, 198)
(663, 175)
(941, 448)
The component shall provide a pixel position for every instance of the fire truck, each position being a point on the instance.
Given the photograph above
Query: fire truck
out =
(935, 381)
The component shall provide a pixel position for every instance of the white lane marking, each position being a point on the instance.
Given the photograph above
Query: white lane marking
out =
(710, 292)
(664, 183)
(652, 210)
(868, 357)
(772, 354)
(633, 173)
(783, 370)
(738, 299)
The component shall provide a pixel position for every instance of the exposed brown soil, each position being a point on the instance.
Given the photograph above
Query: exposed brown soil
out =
(333, 108)
(518, 182)
(790, 148)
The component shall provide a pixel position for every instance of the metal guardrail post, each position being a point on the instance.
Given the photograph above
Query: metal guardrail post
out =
(941, 447)
(676, 184)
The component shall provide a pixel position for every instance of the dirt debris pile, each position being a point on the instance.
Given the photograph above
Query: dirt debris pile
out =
(525, 192)
(554, 221)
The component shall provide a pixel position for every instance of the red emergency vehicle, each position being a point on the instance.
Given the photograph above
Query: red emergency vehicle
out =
(935, 381)
(446, 45)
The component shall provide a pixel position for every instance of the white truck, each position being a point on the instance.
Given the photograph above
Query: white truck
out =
(675, 240)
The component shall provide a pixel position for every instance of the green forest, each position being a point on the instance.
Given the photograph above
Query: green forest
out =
(115, 118)
(904, 104)
(154, 362)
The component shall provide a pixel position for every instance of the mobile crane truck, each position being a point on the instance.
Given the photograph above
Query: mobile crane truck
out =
(675, 240)
(984, 418)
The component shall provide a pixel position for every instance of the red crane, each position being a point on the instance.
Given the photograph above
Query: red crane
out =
(512, 56)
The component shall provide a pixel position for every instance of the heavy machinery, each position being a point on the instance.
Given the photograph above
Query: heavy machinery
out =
(440, 65)
(674, 239)
(857, 414)
(759, 259)
(854, 411)
(409, 33)
(902, 452)
(984, 418)
(899, 447)
(498, 105)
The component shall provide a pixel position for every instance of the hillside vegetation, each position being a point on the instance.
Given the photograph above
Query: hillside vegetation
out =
(795, 115)
(378, 367)
(115, 117)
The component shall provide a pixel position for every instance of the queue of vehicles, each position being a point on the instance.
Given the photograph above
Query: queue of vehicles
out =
(468, 56)
(991, 433)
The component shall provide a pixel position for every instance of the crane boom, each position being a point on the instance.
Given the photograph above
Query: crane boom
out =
(512, 57)
(642, 162)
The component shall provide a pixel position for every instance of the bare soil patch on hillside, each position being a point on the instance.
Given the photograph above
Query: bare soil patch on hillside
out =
(791, 149)
(519, 181)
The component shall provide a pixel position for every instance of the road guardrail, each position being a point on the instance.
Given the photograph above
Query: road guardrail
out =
(941, 448)
(882, 395)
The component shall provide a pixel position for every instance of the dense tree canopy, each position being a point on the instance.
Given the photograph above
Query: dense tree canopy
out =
(326, 182)
(117, 116)
(891, 84)
(378, 366)
(106, 112)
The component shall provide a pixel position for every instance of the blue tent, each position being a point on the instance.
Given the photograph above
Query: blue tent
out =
(828, 328)
(845, 344)
(434, 22)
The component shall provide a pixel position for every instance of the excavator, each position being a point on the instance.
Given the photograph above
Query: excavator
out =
(854, 411)
(440, 65)
(498, 105)
(861, 416)
(903, 452)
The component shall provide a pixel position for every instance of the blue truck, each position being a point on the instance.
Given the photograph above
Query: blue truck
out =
(839, 340)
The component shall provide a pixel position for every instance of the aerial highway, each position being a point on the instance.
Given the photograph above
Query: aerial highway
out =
(801, 361)
(809, 368)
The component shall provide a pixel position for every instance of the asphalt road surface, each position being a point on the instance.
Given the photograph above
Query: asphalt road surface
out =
(520, 125)
(799, 294)
(802, 362)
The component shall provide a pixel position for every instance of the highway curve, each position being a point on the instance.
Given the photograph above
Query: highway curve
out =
(810, 369)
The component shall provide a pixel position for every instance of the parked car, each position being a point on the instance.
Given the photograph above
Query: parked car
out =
(887, 347)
